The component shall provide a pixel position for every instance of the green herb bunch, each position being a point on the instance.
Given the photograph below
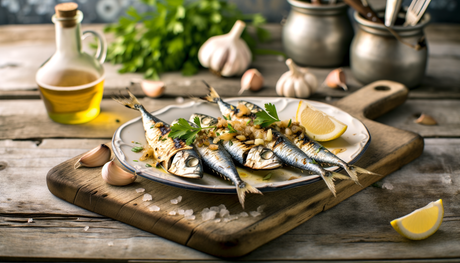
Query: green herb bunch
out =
(169, 37)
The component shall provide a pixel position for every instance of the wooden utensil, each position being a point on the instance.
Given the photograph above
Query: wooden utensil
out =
(391, 11)
(415, 11)
(365, 11)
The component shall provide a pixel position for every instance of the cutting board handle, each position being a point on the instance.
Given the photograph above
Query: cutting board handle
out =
(374, 99)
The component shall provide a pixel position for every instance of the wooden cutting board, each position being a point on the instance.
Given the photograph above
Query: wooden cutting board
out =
(389, 149)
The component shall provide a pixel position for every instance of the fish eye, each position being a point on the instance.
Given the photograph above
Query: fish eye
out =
(192, 162)
(266, 154)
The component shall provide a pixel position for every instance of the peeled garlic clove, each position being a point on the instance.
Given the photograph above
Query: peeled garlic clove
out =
(336, 79)
(153, 89)
(94, 158)
(426, 120)
(252, 80)
(114, 175)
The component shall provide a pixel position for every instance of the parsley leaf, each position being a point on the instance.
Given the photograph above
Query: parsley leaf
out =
(268, 117)
(183, 130)
(137, 149)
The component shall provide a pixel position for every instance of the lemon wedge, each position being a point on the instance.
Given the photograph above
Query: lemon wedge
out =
(421, 223)
(318, 125)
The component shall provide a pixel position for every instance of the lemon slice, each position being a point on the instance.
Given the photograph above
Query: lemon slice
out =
(318, 125)
(421, 223)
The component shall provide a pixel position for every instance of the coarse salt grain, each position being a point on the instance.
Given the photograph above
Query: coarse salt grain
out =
(387, 186)
(208, 215)
(191, 217)
(172, 213)
(30, 220)
(86, 228)
(140, 190)
(154, 208)
(174, 201)
(188, 212)
(244, 214)
(254, 213)
(181, 211)
(147, 197)
(224, 212)
(260, 208)
(110, 244)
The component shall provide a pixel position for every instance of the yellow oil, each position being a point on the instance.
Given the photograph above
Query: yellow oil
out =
(72, 106)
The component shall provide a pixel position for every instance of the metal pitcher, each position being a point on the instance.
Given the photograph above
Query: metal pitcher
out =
(376, 54)
(317, 35)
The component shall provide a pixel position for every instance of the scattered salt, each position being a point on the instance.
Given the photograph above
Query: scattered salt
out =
(30, 220)
(217, 220)
(172, 213)
(190, 217)
(215, 208)
(174, 201)
(222, 206)
(244, 214)
(224, 212)
(154, 208)
(208, 215)
(387, 186)
(181, 211)
(86, 228)
(110, 244)
(446, 179)
(179, 198)
(260, 209)
(140, 190)
(188, 212)
(147, 197)
(254, 213)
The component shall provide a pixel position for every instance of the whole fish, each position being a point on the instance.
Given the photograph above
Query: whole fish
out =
(174, 155)
(220, 162)
(251, 156)
(281, 146)
(316, 151)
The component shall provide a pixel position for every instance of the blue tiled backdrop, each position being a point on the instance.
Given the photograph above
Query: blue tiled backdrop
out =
(107, 11)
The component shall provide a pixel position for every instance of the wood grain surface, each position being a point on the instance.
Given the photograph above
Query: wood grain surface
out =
(284, 209)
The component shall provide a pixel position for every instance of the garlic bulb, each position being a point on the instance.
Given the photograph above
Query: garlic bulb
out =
(94, 158)
(252, 80)
(228, 54)
(114, 175)
(297, 82)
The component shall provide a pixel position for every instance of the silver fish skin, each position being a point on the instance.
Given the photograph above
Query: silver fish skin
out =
(220, 162)
(173, 154)
(254, 157)
(316, 151)
(281, 146)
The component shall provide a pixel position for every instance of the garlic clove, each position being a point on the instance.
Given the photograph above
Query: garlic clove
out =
(336, 79)
(94, 158)
(297, 82)
(426, 120)
(153, 89)
(114, 175)
(252, 80)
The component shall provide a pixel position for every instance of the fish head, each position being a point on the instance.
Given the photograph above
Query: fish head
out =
(260, 157)
(205, 120)
(186, 163)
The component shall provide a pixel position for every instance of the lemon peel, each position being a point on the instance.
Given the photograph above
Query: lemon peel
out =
(421, 223)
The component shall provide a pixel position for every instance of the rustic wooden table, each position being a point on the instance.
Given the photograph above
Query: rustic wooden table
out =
(37, 226)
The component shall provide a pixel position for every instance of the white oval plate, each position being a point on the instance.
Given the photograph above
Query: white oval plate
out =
(354, 142)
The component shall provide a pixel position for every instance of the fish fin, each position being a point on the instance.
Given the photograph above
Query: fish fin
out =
(330, 178)
(241, 192)
(363, 171)
(352, 173)
(130, 102)
(212, 96)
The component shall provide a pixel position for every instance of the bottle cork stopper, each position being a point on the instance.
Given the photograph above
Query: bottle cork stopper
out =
(67, 10)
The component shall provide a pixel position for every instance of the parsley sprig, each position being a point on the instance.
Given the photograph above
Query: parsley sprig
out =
(183, 130)
(267, 117)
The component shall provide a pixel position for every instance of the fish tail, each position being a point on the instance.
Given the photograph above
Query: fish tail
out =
(362, 170)
(130, 102)
(352, 173)
(212, 96)
(241, 192)
(329, 179)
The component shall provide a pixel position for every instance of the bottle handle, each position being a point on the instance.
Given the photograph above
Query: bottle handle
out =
(101, 51)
